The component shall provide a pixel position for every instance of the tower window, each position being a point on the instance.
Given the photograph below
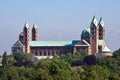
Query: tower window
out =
(48, 53)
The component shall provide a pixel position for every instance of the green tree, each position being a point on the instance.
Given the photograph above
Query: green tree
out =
(90, 60)
(12, 73)
(56, 69)
(67, 57)
(116, 55)
(43, 74)
(97, 73)
(80, 55)
(109, 63)
(4, 59)
(78, 73)
(60, 70)
(9, 73)
(21, 57)
(71, 58)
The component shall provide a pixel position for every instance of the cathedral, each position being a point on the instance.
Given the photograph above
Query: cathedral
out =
(92, 41)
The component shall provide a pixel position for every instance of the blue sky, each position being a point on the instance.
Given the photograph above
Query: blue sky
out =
(57, 19)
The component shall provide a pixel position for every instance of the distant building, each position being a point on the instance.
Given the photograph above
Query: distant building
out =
(92, 40)
(18, 47)
(36, 59)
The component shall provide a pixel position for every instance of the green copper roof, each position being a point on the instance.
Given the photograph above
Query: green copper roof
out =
(53, 43)
(86, 32)
(100, 42)
(106, 49)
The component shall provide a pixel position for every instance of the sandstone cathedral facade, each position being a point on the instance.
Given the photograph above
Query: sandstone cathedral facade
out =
(92, 40)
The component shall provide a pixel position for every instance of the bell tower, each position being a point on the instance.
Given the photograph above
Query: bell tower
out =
(26, 37)
(94, 36)
(101, 29)
(35, 33)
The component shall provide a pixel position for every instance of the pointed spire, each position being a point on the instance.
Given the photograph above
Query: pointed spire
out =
(94, 21)
(101, 22)
(26, 25)
(35, 26)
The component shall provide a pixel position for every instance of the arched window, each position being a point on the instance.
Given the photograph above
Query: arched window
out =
(53, 53)
(48, 53)
(45, 53)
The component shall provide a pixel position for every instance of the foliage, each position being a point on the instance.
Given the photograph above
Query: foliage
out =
(21, 57)
(109, 63)
(90, 60)
(4, 59)
(80, 55)
(97, 73)
(116, 55)
(71, 58)
(67, 57)
(55, 69)
(60, 67)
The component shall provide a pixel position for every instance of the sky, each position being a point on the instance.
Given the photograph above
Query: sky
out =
(57, 19)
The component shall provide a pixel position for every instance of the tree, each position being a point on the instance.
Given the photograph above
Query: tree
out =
(60, 70)
(97, 73)
(80, 55)
(22, 57)
(72, 58)
(67, 57)
(115, 75)
(78, 73)
(109, 63)
(42, 74)
(55, 69)
(116, 55)
(4, 59)
(90, 60)
(112, 64)
(11, 60)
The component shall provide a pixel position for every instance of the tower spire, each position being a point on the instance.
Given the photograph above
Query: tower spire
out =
(35, 26)
(26, 25)
(101, 29)
(35, 32)
(94, 22)
(101, 22)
